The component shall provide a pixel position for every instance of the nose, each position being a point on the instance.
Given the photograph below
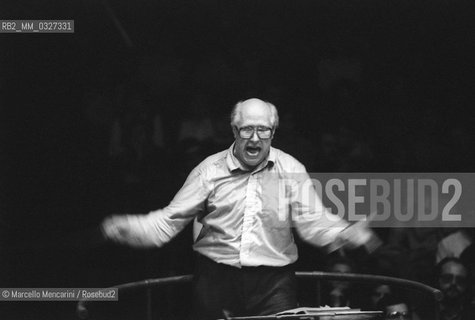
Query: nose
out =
(254, 136)
(454, 281)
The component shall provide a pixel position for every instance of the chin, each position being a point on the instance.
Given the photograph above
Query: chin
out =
(253, 163)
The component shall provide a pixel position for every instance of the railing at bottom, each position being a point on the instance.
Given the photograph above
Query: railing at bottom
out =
(83, 312)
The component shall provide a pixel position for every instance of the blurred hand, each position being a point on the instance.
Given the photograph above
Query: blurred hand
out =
(116, 228)
(360, 234)
(127, 229)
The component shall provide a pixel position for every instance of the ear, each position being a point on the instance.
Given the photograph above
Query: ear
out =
(235, 132)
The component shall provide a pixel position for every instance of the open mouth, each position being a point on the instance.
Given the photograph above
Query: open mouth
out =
(253, 151)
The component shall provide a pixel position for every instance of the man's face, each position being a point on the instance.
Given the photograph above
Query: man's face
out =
(379, 292)
(341, 268)
(254, 114)
(398, 311)
(453, 281)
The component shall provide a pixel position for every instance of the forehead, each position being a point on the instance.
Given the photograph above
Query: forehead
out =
(382, 289)
(453, 268)
(400, 307)
(341, 267)
(255, 113)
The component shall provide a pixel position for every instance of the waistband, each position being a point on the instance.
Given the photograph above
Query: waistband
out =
(201, 259)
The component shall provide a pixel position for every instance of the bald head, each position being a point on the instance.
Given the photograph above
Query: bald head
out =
(257, 107)
(253, 122)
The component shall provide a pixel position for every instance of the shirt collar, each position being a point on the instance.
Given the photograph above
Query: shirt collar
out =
(233, 163)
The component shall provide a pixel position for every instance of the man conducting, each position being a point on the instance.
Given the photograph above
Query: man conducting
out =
(246, 200)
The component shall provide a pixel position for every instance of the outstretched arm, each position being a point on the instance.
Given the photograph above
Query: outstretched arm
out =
(322, 228)
(159, 227)
(316, 225)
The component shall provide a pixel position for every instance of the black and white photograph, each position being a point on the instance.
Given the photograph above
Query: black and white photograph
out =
(225, 159)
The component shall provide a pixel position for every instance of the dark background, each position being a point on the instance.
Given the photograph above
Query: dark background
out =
(373, 85)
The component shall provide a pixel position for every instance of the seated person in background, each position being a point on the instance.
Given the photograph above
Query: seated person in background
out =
(468, 258)
(396, 308)
(453, 279)
(377, 293)
(339, 293)
(379, 265)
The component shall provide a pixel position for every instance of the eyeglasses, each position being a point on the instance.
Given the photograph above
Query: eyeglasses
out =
(449, 278)
(398, 315)
(248, 132)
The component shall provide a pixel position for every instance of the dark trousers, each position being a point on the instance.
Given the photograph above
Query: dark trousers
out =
(249, 291)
